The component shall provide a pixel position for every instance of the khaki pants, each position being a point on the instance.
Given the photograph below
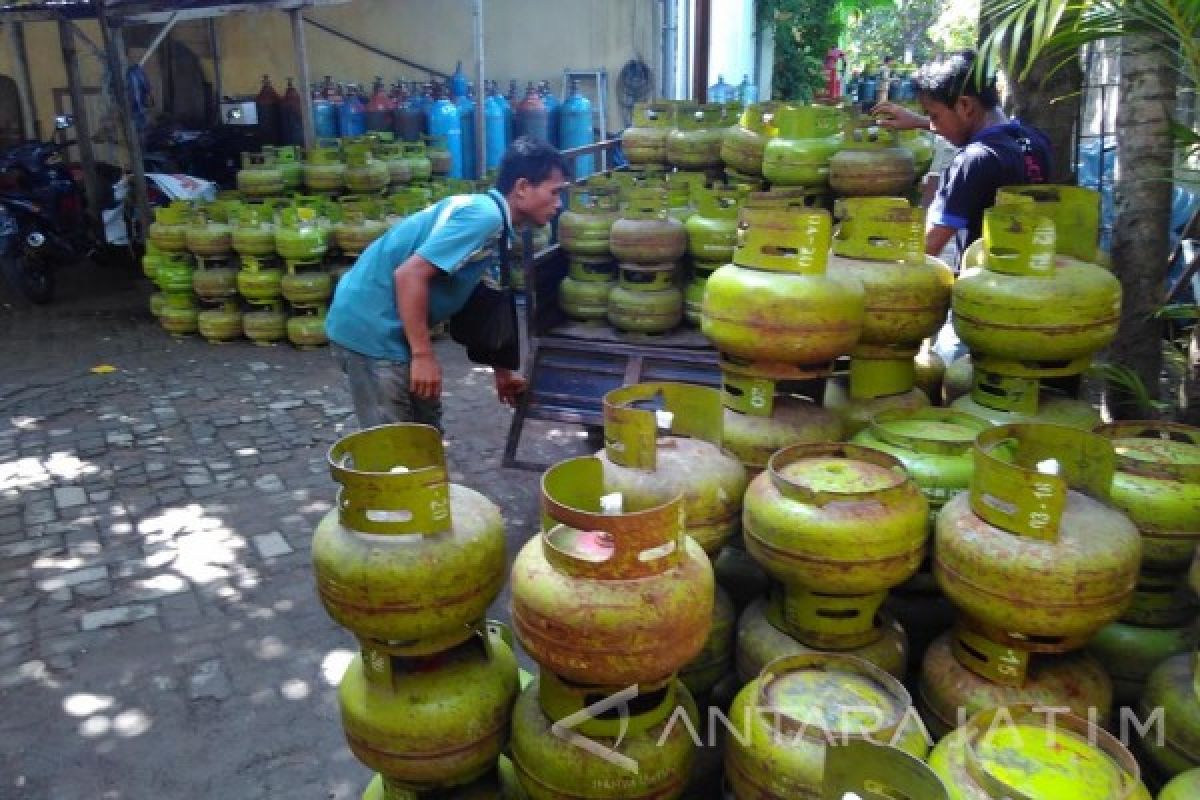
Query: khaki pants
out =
(379, 388)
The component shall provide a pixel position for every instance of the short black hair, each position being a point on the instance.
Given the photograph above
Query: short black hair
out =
(955, 77)
(528, 158)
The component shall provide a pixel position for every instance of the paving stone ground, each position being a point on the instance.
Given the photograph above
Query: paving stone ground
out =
(160, 635)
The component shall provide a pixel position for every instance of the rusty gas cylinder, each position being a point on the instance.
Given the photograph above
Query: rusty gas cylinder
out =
(1161, 600)
(742, 145)
(1174, 687)
(214, 281)
(650, 749)
(873, 385)
(222, 324)
(695, 142)
(950, 693)
(871, 162)
(1131, 652)
(646, 299)
(168, 232)
(934, 445)
(208, 233)
(254, 231)
(715, 660)
(405, 557)
(1072, 208)
(433, 721)
(324, 169)
(775, 302)
(584, 226)
(762, 637)
(260, 175)
(614, 598)
(644, 233)
(799, 709)
(664, 439)
(1013, 751)
(306, 284)
(1004, 399)
(645, 141)
(1028, 306)
(1157, 483)
(1033, 551)
(760, 419)
(880, 241)
(836, 518)
(712, 230)
(800, 153)
(583, 292)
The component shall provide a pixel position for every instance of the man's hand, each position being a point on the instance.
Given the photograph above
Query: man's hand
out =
(509, 385)
(425, 376)
(898, 118)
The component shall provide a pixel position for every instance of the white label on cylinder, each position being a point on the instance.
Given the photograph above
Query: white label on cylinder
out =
(664, 419)
(1048, 467)
(612, 503)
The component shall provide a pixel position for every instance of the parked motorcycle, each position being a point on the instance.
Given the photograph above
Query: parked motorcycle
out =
(43, 224)
(29, 248)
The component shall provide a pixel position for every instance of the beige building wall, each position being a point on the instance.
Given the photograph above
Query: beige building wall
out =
(523, 39)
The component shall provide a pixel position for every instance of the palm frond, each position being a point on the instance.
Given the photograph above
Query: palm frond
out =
(1178, 312)
(1058, 28)
(1123, 381)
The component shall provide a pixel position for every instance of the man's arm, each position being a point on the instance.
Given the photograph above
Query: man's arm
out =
(412, 280)
(936, 238)
(899, 118)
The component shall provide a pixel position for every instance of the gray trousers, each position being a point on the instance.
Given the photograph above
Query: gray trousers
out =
(379, 388)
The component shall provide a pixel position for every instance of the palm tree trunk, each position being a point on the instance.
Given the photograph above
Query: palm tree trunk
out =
(1140, 239)
(1051, 102)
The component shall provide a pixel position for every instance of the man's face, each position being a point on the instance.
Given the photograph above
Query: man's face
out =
(537, 203)
(952, 122)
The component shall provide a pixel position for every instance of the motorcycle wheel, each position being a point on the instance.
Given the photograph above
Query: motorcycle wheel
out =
(36, 281)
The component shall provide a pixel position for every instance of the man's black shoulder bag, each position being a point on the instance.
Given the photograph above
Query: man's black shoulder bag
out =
(487, 325)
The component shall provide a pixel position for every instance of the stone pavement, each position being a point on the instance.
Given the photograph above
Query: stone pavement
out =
(160, 635)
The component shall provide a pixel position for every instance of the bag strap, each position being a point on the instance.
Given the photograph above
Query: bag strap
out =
(504, 250)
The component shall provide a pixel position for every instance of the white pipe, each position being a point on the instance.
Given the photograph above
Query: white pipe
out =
(162, 34)
(670, 30)
(480, 94)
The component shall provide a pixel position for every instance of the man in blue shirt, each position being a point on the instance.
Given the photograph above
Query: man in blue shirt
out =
(419, 274)
(994, 151)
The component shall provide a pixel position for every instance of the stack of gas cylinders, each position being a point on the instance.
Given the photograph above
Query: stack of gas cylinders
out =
(1033, 307)
(646, 688)
(445, 111)
(409, 562)
(265, 258)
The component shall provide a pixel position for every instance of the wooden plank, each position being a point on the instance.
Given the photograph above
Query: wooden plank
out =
(83, 128)
(301, 48)
(32, 126)
(151, 13)
(114, 46)
(215, 43)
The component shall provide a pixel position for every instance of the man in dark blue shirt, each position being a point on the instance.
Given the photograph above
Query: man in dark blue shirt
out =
(994, 151)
